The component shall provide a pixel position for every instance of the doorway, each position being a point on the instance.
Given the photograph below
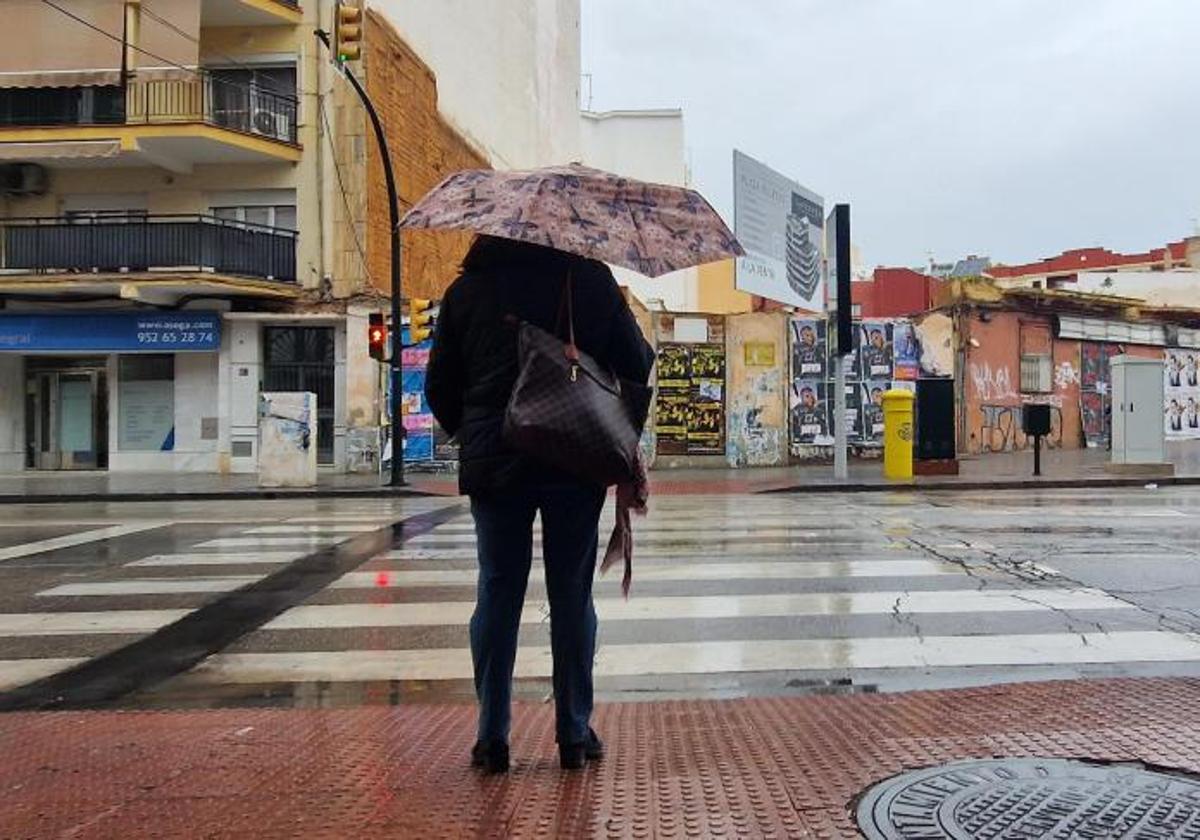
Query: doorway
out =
(303, 359)
(66, 414)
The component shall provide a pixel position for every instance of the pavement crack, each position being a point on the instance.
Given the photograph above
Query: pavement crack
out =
(907, 619)
(1031, 571)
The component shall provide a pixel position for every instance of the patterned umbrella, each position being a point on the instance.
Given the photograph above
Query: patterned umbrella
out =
(650, 228)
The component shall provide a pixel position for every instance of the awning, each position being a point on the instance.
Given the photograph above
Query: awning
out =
(60, 78)
(47, 48)
(65, 150)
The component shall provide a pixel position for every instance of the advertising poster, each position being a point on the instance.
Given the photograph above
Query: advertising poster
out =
(781, 225)
(674, 399)
(674, 370)
(853, 417)
(671, 422)
(810, 412)
(1181, 409)
(853, 366)
(1094, 370)
(872, 409)
(875, 349)
(906, 350)
(1095, 390)
(809, 357)
(417, 417)
(706, 422)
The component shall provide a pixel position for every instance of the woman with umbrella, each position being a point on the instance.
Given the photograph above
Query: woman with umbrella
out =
(539, 259)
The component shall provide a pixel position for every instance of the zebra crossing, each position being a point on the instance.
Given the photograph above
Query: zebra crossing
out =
(878, 590)
(722, 587)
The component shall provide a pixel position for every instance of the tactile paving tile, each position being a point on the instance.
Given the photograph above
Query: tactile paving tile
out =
(769, 768)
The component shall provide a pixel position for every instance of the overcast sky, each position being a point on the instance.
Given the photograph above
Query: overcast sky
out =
(1012, 128)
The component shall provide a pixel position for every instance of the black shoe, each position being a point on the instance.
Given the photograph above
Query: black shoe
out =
(575, 756)
(593, 747)
(491, 756)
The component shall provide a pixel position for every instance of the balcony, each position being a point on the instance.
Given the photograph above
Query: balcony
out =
(123, 247)
(175, 123)
(250, 13)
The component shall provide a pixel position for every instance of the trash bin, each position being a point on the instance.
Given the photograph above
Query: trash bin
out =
(898, 434)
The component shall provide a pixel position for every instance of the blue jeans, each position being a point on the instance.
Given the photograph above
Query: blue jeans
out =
(504, 531)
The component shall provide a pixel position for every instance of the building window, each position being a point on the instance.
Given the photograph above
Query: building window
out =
(259, 100)
(274, 216)
(1037, 375)
(146, 403)
(102, 105)
(856, 310)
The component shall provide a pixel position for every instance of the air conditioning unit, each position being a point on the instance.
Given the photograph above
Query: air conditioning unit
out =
(19, 179)
(271, 124)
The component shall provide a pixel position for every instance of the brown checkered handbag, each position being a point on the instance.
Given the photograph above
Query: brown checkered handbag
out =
(568, 411)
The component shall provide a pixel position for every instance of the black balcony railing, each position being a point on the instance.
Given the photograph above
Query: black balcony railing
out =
(198, 97)
(144, 243)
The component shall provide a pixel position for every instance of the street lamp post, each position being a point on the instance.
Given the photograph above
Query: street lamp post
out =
(396, 362)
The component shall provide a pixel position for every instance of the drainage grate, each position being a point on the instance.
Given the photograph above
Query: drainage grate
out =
(1007, 799)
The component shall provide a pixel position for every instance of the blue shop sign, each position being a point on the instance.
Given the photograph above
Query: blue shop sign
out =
(113, 332)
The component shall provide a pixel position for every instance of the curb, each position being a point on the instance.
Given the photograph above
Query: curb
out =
(1013, 484)
(220, 495)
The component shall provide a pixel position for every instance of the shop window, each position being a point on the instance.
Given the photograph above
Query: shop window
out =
(146, 403)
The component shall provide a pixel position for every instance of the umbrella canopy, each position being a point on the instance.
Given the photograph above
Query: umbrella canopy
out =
(650, 228)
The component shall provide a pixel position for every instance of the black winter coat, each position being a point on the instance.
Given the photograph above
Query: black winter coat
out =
(473, 365)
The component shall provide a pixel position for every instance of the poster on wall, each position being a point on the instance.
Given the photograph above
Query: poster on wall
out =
(810, 412)
(906, 350)
(671, 422)
(781, 225)
(1181, 407)
(146, 414)
(417, 416)
(875, 349)
(853, 416)
(872, 409)
(706, 421)
(1095, 391)
(671, 407)
(854, 358)
(690, 407)
(809, 357)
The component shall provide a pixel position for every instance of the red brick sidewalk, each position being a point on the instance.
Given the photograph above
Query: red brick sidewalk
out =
(753, 768)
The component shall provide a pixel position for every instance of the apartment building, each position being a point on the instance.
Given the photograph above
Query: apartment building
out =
(192, 210)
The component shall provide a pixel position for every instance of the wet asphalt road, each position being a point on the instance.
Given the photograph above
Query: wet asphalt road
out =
(318, 602)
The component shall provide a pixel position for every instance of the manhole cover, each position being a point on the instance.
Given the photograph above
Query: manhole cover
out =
(1008, 799)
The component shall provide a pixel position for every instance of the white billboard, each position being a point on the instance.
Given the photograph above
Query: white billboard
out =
(781, 226)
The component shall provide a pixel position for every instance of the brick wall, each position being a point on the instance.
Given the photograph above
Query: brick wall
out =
(424, 148)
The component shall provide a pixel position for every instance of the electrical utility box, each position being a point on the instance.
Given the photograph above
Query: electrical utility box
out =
(1138, 434)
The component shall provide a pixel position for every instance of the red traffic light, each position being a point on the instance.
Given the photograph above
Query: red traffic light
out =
(377, 337)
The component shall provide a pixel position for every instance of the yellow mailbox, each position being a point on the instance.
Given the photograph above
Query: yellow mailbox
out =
(898, 433)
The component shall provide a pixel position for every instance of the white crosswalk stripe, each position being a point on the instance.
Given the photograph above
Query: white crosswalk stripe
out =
(718, 657)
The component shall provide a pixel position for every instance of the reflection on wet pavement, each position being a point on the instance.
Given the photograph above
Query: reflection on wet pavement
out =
(330, 602)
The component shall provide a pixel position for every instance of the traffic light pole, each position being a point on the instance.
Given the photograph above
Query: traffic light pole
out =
(397, 432)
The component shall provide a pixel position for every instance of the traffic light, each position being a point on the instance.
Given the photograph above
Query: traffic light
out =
(420, 320)
(347, 32)
(377, 337)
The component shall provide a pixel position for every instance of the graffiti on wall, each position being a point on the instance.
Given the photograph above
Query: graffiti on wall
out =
(1065, 376)
(1000, 428)
(992, 383)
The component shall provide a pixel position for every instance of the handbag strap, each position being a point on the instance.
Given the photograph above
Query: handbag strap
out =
(566, 307)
